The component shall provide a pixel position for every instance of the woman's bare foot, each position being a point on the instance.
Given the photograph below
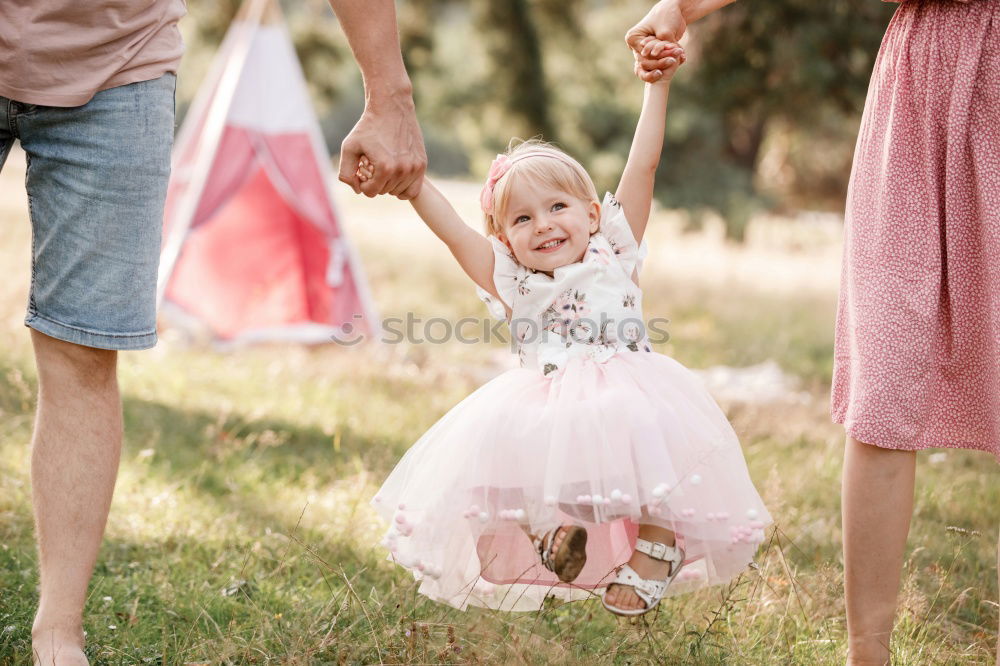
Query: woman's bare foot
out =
(58, 647)
(870, 650)
(624, 596)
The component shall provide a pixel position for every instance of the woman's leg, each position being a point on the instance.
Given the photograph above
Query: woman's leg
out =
(624, 596)
(877, 506)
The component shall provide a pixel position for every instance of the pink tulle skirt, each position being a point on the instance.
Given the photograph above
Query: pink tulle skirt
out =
(636, 439)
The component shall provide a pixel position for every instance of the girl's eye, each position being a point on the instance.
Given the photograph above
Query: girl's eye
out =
(558, 206)
(523, 218)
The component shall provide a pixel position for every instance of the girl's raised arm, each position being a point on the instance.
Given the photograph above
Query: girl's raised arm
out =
(635, 191)
(472, 250)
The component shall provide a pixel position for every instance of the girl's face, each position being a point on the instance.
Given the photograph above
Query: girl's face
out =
(547, 228)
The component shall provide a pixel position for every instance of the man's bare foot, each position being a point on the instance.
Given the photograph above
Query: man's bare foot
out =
(624, 596)
(58, 647)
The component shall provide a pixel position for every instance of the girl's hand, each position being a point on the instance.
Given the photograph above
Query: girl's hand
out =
(657, 60)
(366, 170)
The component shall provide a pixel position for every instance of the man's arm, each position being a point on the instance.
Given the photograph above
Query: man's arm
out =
(387, 132)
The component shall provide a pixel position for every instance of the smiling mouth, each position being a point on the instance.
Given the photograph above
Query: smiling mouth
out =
(551, 245)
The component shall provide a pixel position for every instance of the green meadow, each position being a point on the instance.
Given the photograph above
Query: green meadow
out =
(241, 531)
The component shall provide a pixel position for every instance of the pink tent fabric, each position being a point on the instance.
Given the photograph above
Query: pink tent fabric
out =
(253, 249)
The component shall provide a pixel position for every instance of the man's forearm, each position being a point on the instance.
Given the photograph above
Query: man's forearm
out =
(387, 134)
(370, 26)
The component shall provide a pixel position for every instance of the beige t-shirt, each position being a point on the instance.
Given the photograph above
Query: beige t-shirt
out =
(61, 52)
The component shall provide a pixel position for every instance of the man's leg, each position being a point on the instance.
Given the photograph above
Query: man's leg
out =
(74, 462)
(877, 506)
(96, 179)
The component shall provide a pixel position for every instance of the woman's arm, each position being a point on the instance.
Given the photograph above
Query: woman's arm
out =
(635, 191)
(472, 250)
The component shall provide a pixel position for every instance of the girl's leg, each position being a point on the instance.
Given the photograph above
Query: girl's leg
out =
(624, 596)
(877, 504)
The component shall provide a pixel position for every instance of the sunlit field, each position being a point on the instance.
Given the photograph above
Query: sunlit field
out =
(241, 530)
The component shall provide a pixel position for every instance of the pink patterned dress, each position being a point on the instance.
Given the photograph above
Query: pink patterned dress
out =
(917, 360)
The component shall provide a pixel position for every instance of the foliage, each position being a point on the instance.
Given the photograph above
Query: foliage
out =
(762, 116)
(799, 63)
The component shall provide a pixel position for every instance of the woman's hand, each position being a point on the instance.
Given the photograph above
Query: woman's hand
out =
(665, 22)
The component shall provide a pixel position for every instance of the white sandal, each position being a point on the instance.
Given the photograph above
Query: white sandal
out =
(650, 591)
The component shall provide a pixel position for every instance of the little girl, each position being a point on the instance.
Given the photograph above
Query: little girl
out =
(598, 465)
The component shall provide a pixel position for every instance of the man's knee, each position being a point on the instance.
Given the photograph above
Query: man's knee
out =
(64, 362)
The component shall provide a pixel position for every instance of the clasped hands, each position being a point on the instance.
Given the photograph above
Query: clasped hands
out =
(392, 139)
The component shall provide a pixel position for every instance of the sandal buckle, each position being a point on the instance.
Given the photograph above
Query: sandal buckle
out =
(658, 551)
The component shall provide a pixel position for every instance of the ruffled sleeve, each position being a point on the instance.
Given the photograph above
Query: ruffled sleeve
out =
(506, 273)
(617, 230)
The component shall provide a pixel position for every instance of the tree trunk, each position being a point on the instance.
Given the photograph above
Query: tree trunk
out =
(518, 70)
(745, 134)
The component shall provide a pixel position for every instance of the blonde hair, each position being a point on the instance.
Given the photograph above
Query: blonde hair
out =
(547, 166)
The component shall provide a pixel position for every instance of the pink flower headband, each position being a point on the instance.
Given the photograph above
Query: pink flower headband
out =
(502, 164)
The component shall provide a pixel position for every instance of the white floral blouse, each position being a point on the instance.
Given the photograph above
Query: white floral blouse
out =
(591, 308)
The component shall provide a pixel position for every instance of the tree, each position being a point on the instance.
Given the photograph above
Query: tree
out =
(518, 71)
(757, 63)
(760, 74)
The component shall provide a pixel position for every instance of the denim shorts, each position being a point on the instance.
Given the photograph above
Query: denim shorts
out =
(96, 179)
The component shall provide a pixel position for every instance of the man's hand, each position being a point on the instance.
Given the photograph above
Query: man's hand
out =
(388, 134)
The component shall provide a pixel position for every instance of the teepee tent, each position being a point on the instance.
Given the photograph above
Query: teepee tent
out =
(253, 248)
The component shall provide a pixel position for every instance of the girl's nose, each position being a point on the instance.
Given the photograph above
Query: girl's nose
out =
(542, 224)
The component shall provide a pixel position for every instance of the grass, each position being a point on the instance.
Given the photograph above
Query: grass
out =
(240, 531)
